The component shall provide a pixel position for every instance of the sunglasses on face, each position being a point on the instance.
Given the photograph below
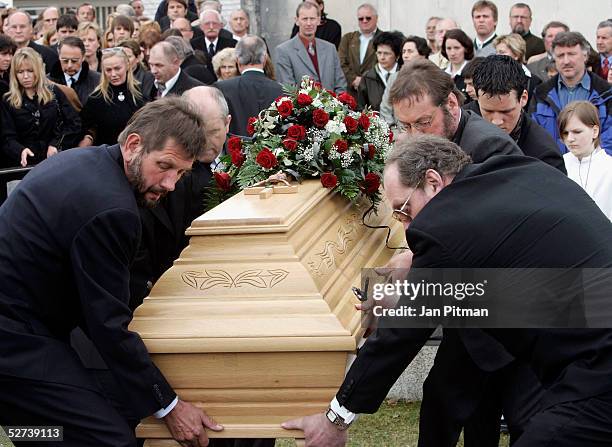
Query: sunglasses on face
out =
(364, 19)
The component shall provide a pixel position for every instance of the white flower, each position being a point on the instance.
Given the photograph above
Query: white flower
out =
(334, 126)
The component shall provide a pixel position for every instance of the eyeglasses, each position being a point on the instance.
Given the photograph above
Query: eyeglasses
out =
(420, 126)
(364, 19)
(401, 215)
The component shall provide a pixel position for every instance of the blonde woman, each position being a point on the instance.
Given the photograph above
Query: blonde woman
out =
(37, 119)
(586, 162)
(113, 102)
(90, 34)
(224, 64)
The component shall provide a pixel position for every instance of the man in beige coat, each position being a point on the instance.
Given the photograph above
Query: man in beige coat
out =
(355, 51)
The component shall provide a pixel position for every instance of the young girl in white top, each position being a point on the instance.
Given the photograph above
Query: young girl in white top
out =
(586, 162)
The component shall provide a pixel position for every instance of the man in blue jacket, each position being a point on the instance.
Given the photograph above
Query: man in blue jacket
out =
(573, 83)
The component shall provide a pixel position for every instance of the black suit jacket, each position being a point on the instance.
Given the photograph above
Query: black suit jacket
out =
(517, 221)
(64, 261)
(84, 86)
(247, 95)
(182, 84)
(163, 231)
(197, 66)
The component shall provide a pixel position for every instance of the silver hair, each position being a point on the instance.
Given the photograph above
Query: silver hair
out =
(200, 92)
(251, 50)
(211, 11)
(246, 13)
(605, 24)
(125, 10)
(183, 49)
(415, 155)
(370, 7)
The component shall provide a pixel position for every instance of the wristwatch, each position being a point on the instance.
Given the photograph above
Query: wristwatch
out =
(340, 416)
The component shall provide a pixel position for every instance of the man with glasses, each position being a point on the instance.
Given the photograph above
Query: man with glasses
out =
(211, 42)
(502, 213)
(356, 52)
(520, 22)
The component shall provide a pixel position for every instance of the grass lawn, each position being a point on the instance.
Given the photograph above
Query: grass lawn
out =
(394, 425)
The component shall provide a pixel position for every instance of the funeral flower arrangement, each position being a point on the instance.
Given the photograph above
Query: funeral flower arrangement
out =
(309, 133)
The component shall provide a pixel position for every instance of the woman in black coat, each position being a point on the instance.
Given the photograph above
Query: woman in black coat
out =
(37, 119)
(113, 102)
(388, 47)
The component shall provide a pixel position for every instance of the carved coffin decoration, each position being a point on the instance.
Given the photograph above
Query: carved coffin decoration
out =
(256, 319)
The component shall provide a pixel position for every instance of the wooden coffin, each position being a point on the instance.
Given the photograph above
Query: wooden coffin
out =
(256, 319)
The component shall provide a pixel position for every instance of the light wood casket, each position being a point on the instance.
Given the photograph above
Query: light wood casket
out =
(255, 321)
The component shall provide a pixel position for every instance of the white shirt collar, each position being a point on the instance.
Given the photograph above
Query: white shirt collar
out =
(169, 83)
(252, 69)
(480, 43)
(208, 42)
(75, 76)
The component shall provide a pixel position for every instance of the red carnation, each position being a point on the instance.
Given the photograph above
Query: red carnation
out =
(371, 151)
(329, 180)
(320, 118)
(296, 132)
(304, 100)
(317, 85)
(237, 158)
(371, 183)
(347, 99)
(391, 136)
(285, 108)
(351, 124)
(234, 144)
(266, 159)
(341, 146)
(223, 181)
(251, 125)
(364, 121)
(290, 144)
(331, 92)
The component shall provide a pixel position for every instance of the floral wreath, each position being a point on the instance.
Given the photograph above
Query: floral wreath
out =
(308, 133)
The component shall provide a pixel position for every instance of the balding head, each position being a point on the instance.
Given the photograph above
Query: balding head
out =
(211, 104)
(18, 26)
(164, 61)
(442, 27)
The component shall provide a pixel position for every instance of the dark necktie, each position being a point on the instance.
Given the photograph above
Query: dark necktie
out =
(160, 89)
(605, 68)
(71, 82)
(387, 75)
(211, 50)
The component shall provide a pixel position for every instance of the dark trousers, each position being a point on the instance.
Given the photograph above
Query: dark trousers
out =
(584, 423)
(88, 418)
(458, 395)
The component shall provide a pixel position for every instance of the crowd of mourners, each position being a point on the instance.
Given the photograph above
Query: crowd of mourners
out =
(69, 81)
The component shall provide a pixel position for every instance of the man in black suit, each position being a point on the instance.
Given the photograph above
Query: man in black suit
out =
(519, 222)
(64, 261)
(165, 65)
(73, 70)
(211, 42)
(163, 227)
(18, 26)
(501, 87)
(252, 91)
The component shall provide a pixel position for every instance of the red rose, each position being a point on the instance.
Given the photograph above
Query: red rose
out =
(223, 181)
(351, 124)
(331, 92)
(347, 99)
(296, 132)
(371, 183)
(329, 180)
(317, 85)
(304, 100)
(237, 158)
(341, 146)
(371, 151)
(364, 121)
(320, 118)
(234, 144)
(285, 108)
(266, 159)
(391, 136)
(251, 125)
(290, 144)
